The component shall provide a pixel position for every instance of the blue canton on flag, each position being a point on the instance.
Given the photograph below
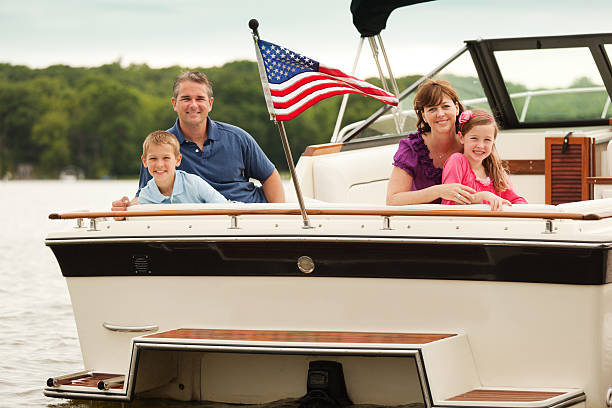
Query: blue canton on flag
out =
(282, 64)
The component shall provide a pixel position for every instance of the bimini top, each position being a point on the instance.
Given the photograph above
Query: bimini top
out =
(370, 16)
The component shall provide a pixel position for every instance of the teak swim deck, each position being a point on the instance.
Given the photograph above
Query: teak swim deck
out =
(427, 350)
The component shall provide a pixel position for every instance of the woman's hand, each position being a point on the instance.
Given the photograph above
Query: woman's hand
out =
(496, 201)
(457, 192)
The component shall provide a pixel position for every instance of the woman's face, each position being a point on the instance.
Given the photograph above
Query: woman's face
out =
(442, 117)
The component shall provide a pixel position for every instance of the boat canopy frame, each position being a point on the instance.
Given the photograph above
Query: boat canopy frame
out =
(482, 52)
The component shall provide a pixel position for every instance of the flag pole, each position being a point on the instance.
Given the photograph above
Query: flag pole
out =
(296, 184)
(254, 25)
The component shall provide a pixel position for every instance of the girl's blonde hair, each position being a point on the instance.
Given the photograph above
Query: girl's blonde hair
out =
(494, 167)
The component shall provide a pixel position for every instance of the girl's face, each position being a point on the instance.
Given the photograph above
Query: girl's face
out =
(441, 117)
(478, 142)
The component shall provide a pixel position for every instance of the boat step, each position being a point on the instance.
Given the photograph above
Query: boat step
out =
(442, 363)
(287, 336)
(102, 381)
(504, 397)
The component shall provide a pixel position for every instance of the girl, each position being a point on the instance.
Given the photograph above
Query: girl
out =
(417, 165)
(479, 166)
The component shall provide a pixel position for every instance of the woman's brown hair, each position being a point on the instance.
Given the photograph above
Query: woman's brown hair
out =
(430, 93)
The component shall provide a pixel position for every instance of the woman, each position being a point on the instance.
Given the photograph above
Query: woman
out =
(417, 173)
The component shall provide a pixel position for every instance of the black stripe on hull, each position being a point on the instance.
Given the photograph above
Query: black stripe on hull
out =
(481, 262)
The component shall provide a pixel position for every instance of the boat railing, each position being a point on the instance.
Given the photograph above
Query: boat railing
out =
(590, 214)
(528, 95)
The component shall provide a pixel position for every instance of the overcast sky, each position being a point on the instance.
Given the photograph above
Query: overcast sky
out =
(189, 33)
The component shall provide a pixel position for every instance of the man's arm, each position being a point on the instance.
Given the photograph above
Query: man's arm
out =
(273, 188)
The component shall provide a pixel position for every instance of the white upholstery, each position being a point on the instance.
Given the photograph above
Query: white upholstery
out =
(357, 176)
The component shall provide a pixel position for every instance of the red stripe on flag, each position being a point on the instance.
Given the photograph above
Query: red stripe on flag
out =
(292, 114)
(311, 102)
(335, 72)
(307, 79)
(296, 85)
(305, 93)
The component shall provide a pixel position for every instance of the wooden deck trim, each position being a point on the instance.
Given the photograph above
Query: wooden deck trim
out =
(599, 180)
(321, 149)
(331, 211)
(505, 396)
(531, 167)
(291, 336)
(90, 380)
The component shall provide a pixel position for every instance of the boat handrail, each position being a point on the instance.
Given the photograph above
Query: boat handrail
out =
(525, 94)
(391, 212)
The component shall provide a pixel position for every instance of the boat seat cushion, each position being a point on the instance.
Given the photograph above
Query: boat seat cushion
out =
(357, 176)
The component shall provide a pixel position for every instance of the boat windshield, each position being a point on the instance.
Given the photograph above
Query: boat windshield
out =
(526, 82)
(558, 84)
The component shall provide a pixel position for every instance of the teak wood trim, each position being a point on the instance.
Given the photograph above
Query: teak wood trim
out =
(301, 336)
(90, 380)
(599, 180)
(318, 150)
(526, 166)
(294, 211)
(505, 395)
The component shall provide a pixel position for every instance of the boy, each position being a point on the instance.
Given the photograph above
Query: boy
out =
(160, 156)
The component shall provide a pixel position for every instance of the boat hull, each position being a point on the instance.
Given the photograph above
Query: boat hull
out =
(528, 302)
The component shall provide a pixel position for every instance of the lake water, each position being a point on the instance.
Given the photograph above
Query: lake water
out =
(38, 337)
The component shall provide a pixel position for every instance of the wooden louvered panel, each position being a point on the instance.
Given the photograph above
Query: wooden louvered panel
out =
(566, 173)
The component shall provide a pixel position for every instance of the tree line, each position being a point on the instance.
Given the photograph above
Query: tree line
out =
(95, 119)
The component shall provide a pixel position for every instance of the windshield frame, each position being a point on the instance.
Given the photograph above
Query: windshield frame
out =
(490, 76)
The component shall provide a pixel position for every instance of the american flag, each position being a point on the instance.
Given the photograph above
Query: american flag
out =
(296, 82)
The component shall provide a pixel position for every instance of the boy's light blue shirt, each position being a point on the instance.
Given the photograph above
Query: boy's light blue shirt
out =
(188, 188)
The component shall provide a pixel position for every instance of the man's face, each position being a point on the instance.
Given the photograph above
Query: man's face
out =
(192, 104)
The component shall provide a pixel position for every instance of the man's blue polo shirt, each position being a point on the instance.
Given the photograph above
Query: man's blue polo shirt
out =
(229, 158)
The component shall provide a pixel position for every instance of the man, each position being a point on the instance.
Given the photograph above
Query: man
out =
(223, 155)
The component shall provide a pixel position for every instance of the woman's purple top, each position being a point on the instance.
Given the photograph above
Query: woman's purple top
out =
(412, 156)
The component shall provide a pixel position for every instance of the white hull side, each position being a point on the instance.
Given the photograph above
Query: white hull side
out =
(521, 334)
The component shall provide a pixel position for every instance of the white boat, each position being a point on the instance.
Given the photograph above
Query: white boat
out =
(432, 305)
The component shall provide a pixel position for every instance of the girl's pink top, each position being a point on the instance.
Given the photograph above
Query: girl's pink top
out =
(457, 169)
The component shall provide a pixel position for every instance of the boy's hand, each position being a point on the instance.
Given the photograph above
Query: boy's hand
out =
(120, 205)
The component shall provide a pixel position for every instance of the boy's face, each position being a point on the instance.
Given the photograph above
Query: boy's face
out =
(161, 163)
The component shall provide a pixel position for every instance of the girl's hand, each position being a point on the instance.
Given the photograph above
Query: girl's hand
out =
(457, 193)
(496, 201)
